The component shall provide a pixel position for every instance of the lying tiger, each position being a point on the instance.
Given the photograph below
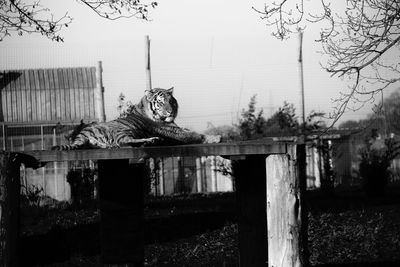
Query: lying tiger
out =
(151, 121)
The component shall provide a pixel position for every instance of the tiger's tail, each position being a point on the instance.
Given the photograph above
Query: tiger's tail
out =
(64, 147)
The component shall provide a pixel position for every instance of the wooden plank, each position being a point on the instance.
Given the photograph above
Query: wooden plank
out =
(76, 95)
(91, 102)
(86, 93)
(28, 96)
(34, 78)
(81, 93)
(81, 102)
(92, 85)
(71, 93)
(222, 149)
(14, 100)
(3, 97)
(23, 96)
(18, 95)
(42, 111)
(8, 108)
(57, 92)
(52, 92)
(61, 86)
(68, 114)
(250, 180)
(90, 82)
(122, 212)
(84, 78)
(46, 92)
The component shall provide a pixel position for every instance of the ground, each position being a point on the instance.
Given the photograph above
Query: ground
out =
(201, 231)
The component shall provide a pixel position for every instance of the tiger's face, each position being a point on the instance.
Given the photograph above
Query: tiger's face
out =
(162, 104)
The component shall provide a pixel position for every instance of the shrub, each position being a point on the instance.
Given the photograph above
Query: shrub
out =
(376, 158)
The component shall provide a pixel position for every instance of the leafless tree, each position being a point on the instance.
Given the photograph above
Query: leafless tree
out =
(30, 16)
(358, 38)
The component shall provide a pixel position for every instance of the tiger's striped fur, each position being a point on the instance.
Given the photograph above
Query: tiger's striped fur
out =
(151, 121)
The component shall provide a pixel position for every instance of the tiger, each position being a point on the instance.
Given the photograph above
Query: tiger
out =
(149, 122)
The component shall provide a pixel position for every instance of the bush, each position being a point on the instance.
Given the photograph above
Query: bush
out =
(82, 184)
(376, 158)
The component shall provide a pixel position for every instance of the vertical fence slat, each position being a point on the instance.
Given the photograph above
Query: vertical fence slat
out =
(56, 89)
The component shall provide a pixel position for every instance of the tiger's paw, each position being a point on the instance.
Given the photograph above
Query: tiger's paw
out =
(209, 139)
(152, 141)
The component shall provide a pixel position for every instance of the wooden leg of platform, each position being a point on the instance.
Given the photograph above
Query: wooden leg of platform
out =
(9, 209)
(250, 179)
(121, 210)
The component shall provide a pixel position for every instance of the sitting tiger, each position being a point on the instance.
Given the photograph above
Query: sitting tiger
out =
(151, 121)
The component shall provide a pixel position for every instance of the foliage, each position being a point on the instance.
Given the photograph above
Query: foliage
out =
(251, 125)
(228, 133)
(355, 38)
(385, 118)
(19, 17)
(391, 111)
(284, 121)
(375, 160)
(124, 107)
(33, 194)
(82, 182)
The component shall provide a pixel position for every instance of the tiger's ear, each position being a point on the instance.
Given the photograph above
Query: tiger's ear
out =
(148, 93)
(170, 90)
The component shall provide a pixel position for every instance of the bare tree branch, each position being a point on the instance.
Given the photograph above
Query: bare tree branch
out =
(355, 42)
(20, 16)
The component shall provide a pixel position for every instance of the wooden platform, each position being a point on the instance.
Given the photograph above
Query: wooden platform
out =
(223, 149)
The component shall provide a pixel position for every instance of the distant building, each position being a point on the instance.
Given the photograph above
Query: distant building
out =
(37, 109)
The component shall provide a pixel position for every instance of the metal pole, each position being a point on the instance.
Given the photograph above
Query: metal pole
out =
(148, 67)
(99, 95)
(301, 79)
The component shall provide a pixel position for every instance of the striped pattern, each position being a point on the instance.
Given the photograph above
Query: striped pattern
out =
(52, 95)
(141, 125)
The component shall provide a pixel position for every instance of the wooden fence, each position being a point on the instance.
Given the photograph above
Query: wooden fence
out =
(280, 240)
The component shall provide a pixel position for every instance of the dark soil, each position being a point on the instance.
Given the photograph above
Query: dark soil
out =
(201, 231)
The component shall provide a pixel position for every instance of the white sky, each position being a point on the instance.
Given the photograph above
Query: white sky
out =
(216, 54)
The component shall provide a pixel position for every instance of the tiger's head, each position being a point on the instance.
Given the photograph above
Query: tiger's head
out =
(160, 105)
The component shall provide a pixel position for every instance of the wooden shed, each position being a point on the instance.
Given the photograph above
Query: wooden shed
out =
(51, 95)
(37, 109)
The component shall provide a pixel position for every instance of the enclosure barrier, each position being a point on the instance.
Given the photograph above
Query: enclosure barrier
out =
(278, 199)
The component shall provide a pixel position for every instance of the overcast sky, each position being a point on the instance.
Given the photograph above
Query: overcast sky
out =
(216, 54)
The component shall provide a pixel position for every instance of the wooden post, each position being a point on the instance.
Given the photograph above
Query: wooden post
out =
(301, 168)
(301, 77)
(213, 174)
(121, 212)
(250, 179)
(160, 176)
(10, 203)
(198, 174)
(287, 244)
(148, 66)
(9, 210)
(99, 93)
(5, 136)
